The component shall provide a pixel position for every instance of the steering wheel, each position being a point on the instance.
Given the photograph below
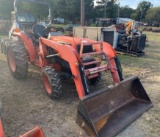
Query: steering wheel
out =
(40, 31)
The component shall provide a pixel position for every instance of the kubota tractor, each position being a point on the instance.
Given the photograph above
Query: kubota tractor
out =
(63, 57)
(58, 57)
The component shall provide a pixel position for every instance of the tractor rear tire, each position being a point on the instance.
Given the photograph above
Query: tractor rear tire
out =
(17, 57)
(51, 82)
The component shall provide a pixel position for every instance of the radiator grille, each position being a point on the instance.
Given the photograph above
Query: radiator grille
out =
(108, 37)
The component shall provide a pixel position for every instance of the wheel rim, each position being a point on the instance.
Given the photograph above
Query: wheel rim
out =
(11, 60)
(47, 84)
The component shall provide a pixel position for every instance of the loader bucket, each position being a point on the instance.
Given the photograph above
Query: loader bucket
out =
(107, 111)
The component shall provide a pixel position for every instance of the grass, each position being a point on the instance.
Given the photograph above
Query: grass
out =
(3, 36)
(2, 57)
(148, 62)
(153, 36)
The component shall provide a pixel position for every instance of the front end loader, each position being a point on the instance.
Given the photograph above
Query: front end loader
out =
(115, 108)
(102, 113)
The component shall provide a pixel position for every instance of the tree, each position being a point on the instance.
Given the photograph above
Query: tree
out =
(126, 11)
(68, 9)
(141, 10)
(6, 6)
(102, 2)
(153, 15)
(111, 8)
(89, 9)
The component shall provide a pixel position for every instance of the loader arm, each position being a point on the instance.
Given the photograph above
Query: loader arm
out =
(111, 55)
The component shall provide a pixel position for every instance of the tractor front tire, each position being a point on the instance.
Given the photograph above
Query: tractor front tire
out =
(52, 83)
(17, 57)
(119, 68)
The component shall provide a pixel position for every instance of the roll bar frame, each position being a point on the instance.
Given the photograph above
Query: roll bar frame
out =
(34, 1)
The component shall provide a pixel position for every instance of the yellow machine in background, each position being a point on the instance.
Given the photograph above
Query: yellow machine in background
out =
(124, 37)
(132, 26)
(128, 26)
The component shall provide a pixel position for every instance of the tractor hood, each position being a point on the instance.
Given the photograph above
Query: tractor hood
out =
(70, 40)
(76, 41)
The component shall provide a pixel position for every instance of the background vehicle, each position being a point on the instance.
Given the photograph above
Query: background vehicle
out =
(4, 26)
(124, 37)
(131, 40)
(105, 22)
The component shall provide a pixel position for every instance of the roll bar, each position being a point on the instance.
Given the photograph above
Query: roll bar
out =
(34, 1)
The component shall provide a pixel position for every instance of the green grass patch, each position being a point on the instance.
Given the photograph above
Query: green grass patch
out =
(3, 57)
(3, 36)
(139, 62)
(151, 36)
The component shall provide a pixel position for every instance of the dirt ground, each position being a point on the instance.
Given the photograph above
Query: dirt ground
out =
(25, 103)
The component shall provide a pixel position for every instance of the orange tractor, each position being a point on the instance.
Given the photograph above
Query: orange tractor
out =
(63, 57)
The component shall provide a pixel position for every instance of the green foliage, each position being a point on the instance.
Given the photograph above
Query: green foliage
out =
(89, 9)
(126, 11)
(70, 10)
(67, 9)
(6, 6)
(111, 9)
(102, 2)
(153, 14)
(141, 10)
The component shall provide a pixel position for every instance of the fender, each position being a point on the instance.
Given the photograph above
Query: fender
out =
(28, 44)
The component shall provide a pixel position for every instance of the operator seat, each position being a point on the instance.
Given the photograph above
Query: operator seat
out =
(39, 31)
